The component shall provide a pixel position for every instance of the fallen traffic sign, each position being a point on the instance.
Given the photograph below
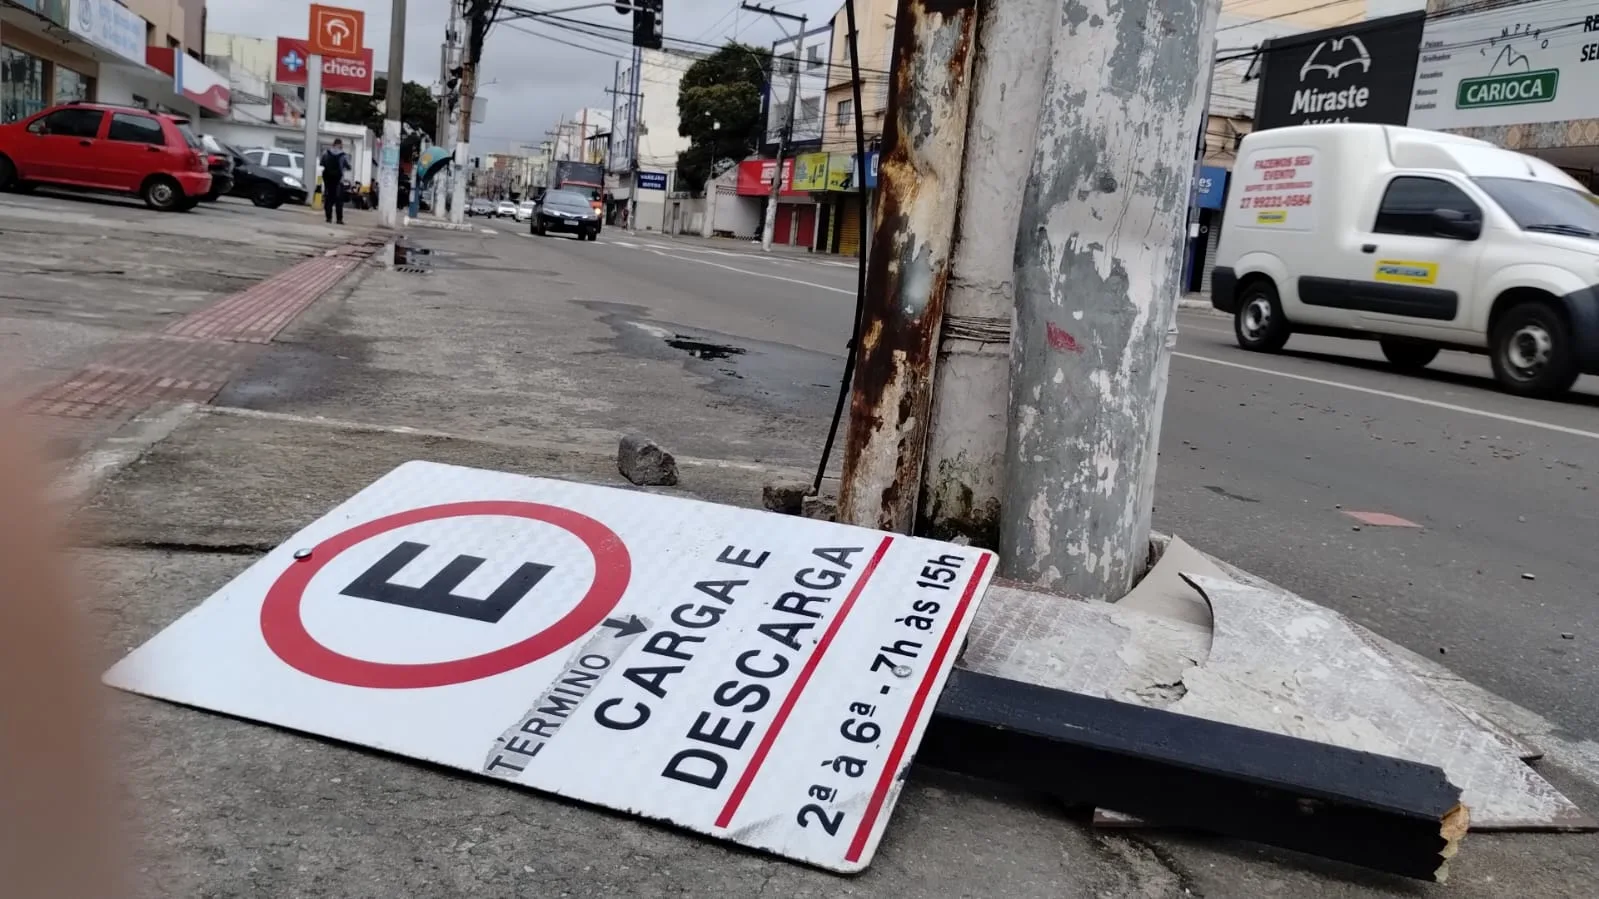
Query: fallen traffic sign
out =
(760, 678)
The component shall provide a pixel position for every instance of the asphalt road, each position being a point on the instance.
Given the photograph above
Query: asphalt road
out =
(1265, 460)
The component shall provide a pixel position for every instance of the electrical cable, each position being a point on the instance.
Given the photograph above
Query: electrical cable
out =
(860, 268)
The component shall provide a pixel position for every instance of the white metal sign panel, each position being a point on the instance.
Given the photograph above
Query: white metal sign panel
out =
(757, 677)
(1509, 64)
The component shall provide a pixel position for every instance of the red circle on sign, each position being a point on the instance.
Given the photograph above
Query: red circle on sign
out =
(285, 631)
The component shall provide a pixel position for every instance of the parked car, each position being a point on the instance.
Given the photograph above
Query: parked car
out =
(1419, 239)
(505, 209)
(566, 211)
(220, 163)
(102, 147)
(267, 188)
(288, 162)
(524, 211)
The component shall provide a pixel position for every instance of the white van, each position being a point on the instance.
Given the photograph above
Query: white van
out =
(1418, 239)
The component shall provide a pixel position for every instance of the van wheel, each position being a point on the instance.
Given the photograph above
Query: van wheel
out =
(1531, 351)
(1408, 356)
(1259, 323)
(162, 195)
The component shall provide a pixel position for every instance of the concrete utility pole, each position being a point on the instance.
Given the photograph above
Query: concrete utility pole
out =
(311, 166)
(633, 115)
(769, 225)
(479, 17)
(1098, 261)
(449, 109)
(389, 167)
(963, 477)
(924, 143)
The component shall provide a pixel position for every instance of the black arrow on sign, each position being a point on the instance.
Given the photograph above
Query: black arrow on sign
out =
(623, 628)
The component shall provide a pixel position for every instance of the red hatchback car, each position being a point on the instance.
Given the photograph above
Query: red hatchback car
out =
(97, 146)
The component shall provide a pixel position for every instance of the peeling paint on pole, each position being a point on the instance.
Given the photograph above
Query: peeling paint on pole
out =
(1098, 264)
(962, 478)
(908, 268)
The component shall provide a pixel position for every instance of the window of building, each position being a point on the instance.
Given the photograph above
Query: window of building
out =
(786, 65)
(813, 57)
(136, 129)
(810, 111)
(70, 123)
(71, 85)
(846, 112)
(1408, 205)
(22, 80)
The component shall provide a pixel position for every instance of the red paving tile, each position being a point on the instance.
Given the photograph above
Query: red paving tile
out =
(195, 357)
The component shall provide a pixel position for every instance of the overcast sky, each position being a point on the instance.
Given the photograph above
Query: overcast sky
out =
(531, 81)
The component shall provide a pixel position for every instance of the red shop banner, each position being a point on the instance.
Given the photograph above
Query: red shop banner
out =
(755, 178)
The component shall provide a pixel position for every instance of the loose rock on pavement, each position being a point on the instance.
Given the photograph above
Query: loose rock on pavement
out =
(643, 461)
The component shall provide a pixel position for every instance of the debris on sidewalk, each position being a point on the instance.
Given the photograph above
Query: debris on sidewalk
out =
(1387, 814)
(787, 497)
(821, 508)
(643, 461)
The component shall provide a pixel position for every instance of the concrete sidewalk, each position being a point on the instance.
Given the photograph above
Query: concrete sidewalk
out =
(526, 357)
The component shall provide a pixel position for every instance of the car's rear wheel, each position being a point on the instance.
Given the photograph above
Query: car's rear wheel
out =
(163, 195)
(8, 174)
(1408, 355)
(1531, 350)
(1259, 323)
(267, 197)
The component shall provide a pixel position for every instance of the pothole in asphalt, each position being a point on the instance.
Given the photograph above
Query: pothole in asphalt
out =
(700, 349)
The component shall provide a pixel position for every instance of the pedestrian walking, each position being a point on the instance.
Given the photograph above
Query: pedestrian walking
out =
(335, 165)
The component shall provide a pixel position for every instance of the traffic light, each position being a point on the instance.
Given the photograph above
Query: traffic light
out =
(648, 23)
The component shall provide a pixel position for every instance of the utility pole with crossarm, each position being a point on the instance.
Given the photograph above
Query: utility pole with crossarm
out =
(783, 138)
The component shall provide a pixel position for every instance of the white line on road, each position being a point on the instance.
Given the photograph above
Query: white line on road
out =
(1403, 397)
(744, 271)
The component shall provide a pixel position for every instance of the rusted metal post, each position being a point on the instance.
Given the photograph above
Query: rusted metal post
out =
(908, 270)
(1098, 265)
(962, 479)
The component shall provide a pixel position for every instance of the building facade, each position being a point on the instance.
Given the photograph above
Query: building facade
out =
(645, 133)
(145, 53)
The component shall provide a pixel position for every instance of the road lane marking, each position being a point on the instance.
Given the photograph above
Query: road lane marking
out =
(743, 271)
(1403, 397)
(1381, 519)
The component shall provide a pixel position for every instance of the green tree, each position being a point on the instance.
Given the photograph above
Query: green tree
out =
(719, 110)
(417, 107)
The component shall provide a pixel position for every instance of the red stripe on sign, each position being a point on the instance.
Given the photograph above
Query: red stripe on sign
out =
(772, 730)
(902, 742)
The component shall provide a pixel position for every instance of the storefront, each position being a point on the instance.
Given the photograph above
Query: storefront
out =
(810, 177)
(796, 212)
(1523, 77)
(1209, 198)
(37, 68)
(844, 200)
(52, 52)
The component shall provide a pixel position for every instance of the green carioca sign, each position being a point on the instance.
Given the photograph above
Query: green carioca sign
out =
(1510, 89)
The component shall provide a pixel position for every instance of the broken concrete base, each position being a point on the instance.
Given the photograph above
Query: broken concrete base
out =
(1270, 661)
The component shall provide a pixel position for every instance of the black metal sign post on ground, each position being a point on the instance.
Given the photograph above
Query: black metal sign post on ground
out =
(1175, 770)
